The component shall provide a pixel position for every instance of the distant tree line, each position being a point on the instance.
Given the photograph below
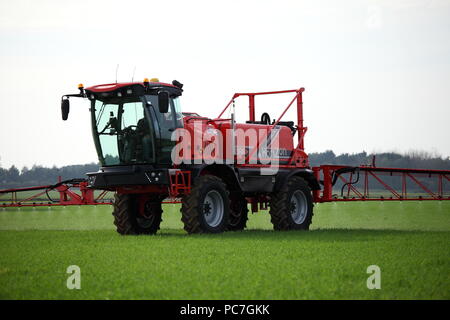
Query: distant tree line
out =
(413, 159)
(39, 175)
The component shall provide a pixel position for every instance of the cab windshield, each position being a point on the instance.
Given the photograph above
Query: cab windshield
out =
(134, 132)
(123, 134)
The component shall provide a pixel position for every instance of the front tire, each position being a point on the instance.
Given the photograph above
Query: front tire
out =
(136, 214)
(238, 212)
(206, 208)
(291, 208)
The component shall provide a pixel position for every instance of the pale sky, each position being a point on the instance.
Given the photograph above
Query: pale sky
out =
(376, 73)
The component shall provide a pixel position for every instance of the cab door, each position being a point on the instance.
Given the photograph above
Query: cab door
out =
(164, 125)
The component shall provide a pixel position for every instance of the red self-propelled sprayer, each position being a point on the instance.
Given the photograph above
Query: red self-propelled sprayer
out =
(152, 152)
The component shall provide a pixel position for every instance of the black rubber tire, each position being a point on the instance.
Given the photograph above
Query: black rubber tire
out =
(238, 212)
(280, 205)
(192, 209)
(128, 220)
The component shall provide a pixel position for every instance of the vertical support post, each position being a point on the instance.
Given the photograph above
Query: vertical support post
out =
(440, 190)
(366, 185)
(327, 184)
(404, 191)
(316, 193)
(254, 205)
(251, 106)
(349, 185)
(87, 195)
(300, 119)
(62, 194)
(233, 137)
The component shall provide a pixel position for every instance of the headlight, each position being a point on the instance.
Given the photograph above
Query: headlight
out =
(91, 180)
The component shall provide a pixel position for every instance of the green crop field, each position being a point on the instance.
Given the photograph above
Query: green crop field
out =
(409, 241)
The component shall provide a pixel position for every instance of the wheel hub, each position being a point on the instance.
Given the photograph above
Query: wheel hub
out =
(213, 208)
(298, 207)
(207, 208)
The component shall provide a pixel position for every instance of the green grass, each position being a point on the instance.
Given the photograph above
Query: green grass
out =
(409, 241)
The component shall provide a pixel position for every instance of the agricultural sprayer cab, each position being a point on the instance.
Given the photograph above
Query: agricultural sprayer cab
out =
(151, 152)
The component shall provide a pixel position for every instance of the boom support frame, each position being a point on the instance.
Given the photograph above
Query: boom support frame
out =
(380, 184)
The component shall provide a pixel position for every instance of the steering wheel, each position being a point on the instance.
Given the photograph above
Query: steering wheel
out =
(265, 118)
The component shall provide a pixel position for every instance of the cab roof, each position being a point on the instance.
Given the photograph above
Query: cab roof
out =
(129, 91)
(114, 86)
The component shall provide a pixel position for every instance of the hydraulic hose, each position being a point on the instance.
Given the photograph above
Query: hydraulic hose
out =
(338, 172)
(350, 182)
(69, 181)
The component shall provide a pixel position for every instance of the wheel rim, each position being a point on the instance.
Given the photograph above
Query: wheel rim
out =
(299, 207)
(213, 208)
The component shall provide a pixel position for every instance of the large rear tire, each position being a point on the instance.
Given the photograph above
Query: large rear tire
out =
(136, 214)
(291, 208)
(238, 212)
(206, 208)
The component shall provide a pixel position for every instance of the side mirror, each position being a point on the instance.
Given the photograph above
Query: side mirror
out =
(163, 101)
(65, 107)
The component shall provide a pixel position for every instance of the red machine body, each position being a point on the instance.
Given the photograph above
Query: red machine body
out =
(239, 142)
(249, 138)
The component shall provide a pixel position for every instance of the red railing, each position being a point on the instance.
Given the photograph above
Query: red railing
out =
(180, 183)
(298, 97)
